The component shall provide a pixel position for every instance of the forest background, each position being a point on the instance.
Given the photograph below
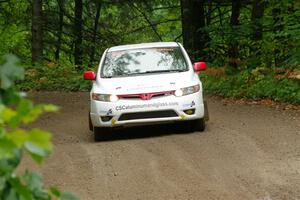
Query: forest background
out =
(251, 46)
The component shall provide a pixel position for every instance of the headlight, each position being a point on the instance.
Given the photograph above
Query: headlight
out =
(187, 90)
(105, 97)
(178, 93)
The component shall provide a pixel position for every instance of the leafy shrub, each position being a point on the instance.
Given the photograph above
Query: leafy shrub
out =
(15, 112)
(53, 77)
(246, 85)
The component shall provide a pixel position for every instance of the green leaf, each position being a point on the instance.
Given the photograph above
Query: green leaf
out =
(21, 189)
(34, 181)
(24, 107)
(10, 71)
(36, 111)
(41, 138)
(1, 108)
(54, 191)
(1, 118)
(68, 196)
(2, 183)
(7, 148)
(50, 108)
(38, 144)
(37, 153)
(12, 195)
(7, 166)
(19, 137)
(9, 96)
(33, 114)
(7, 114)
(62, 195)
(14, 118)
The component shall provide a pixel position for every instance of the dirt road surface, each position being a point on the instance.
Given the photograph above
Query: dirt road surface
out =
(247, 152)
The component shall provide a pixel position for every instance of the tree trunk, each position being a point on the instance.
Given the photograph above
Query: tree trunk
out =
(193, 22)
(60, 28)
(78, 33)
(258, 9)
(221, 20)
(96, 23)
(209, 12)
(37, 31)
(233, 52)
(277, 28)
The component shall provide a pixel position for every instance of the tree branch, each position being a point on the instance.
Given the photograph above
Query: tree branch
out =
(148, 21)
(154, 24)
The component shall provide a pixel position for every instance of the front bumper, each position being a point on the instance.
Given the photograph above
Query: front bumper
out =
(131, 112)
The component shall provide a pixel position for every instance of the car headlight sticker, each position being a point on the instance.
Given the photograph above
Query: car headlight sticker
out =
(105, 97)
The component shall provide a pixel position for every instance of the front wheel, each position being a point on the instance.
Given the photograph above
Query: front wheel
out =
(101, 134)
(91, 127)
(198, 125)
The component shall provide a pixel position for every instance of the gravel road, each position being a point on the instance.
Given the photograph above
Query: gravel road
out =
(247, 152)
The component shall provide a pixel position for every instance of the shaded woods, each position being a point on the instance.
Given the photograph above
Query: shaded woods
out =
(257, 36)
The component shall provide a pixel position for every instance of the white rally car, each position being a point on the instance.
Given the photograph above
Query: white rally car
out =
(145, 84)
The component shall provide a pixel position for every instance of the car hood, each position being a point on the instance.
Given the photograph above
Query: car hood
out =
(145, 84)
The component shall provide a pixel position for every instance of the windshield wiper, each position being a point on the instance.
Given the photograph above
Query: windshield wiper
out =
(147, 72)
(162, 71)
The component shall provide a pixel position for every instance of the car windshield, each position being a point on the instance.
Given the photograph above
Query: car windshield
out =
(143, 61)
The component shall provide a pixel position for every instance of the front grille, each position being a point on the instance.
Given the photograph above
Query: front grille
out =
(148, 115)
(138, 96)
(146, 96)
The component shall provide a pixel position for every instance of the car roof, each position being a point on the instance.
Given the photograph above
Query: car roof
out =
(143, 45)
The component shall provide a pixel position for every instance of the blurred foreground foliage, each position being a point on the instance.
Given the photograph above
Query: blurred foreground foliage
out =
(16, 112)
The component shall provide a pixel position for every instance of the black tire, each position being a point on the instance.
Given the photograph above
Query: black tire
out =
(206, 114)
(101, 134)
(198, 125)
(90, 123)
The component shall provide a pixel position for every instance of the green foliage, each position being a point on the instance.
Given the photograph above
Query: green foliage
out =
(15, 140)
(247, 85)
(278, 47)
(124, 22)
(9, 72)
(120, 22)
(15, 29)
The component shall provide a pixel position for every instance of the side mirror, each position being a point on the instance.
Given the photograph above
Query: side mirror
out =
(199, 66)
(89, 75)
